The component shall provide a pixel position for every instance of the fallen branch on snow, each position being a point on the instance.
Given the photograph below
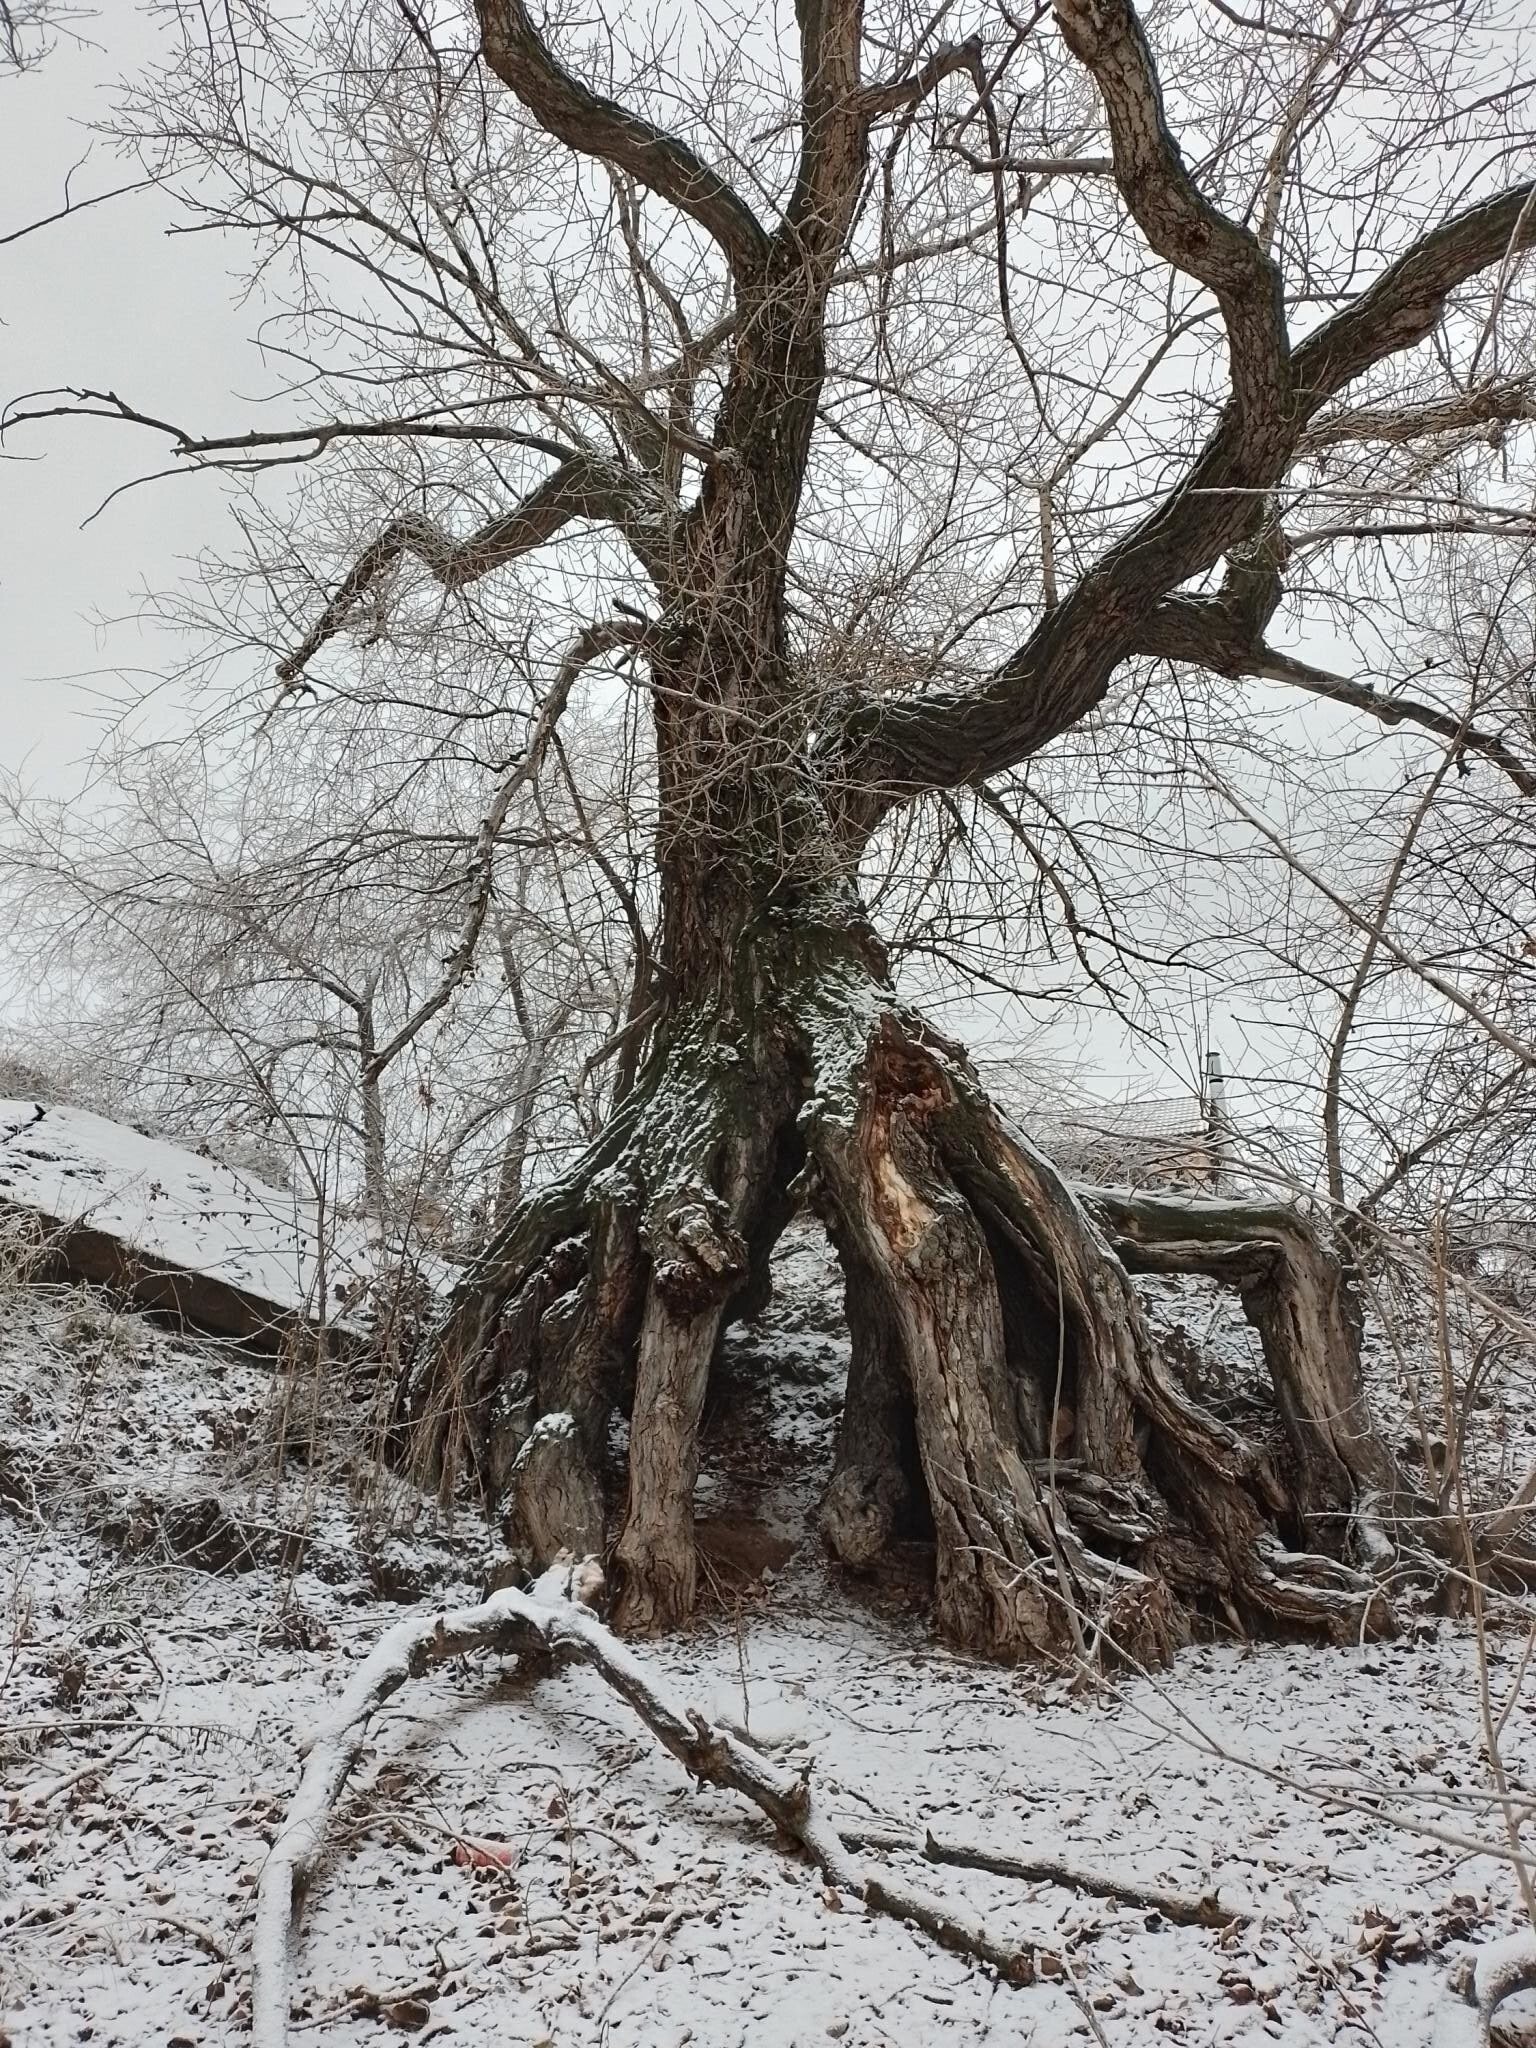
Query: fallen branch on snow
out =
(1181, 1909)
(1496, 1973)
(554, 1624)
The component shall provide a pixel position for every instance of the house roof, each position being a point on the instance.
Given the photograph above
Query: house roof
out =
(1142, 1117)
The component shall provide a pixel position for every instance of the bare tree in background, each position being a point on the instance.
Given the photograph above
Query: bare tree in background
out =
(1374, 891)
(264, 966)
(876, 412)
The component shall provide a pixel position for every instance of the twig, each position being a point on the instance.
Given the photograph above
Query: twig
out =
(669, 1925)
(52, 1789)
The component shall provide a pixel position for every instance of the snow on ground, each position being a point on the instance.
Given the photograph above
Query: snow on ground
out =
(517, 1863)
(181, 1209)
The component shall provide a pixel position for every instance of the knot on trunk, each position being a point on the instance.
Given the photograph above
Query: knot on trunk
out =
(698, 1256)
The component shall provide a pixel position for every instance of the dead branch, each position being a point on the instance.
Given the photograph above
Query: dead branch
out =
(332, 1751)
(554, 1624)
(1180, 1909)
(583, 488)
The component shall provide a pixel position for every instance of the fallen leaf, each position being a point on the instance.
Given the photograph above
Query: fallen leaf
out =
(482, 1855)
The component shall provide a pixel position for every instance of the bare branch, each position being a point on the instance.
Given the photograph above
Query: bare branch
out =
(897, 746)
(1168, 206)
(1405, 304)
(1490, 405)
(74, 206)
(595, 125)
(584, 488)
(898, 93)
(597, 640)
(26, 27)
(1431, 977)
(434, 423)
(1225, 634)
(1036, 166)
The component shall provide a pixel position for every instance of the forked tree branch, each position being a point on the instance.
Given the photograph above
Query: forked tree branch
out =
(915, 86)
(583, 488)
(1394, 709)
(594, 125)
(553, 1624)
(1226, 634)
(835, 120)
(897, 746)
(1405, 304)
(1180, 223)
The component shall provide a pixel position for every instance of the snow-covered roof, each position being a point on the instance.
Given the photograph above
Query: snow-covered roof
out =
(1145, 1117)
(181, 1211)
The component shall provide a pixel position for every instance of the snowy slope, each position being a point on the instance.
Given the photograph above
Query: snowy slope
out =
(517, 1865)
(170, 1208)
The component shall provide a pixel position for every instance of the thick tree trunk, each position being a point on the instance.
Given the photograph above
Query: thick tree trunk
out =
(1006, 1400)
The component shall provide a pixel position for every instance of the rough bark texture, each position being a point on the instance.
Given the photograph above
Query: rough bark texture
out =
(1006, 1403)
(1296, 1293)
(874, 1493)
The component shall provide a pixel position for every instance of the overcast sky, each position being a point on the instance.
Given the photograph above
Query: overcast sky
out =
(105, 299)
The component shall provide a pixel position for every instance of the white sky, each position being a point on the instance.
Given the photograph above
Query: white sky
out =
(105, 299)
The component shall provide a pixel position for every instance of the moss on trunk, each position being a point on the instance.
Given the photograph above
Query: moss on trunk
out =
(1005, 1395)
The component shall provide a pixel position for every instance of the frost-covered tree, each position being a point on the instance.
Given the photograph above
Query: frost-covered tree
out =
(28, 29)
(866, 410)
(386, 1004)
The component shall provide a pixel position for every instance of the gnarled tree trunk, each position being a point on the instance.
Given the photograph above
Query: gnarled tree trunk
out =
(1005, 1394)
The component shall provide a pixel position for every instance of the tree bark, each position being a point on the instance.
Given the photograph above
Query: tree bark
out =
(375, 1133)
(1007, 1403)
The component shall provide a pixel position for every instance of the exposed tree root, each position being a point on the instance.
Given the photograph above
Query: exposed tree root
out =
(1295, 1293)
(1006, 1404)
(876, 1482)
(1082, 1499)
(699, 1259)
(609, 1289)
